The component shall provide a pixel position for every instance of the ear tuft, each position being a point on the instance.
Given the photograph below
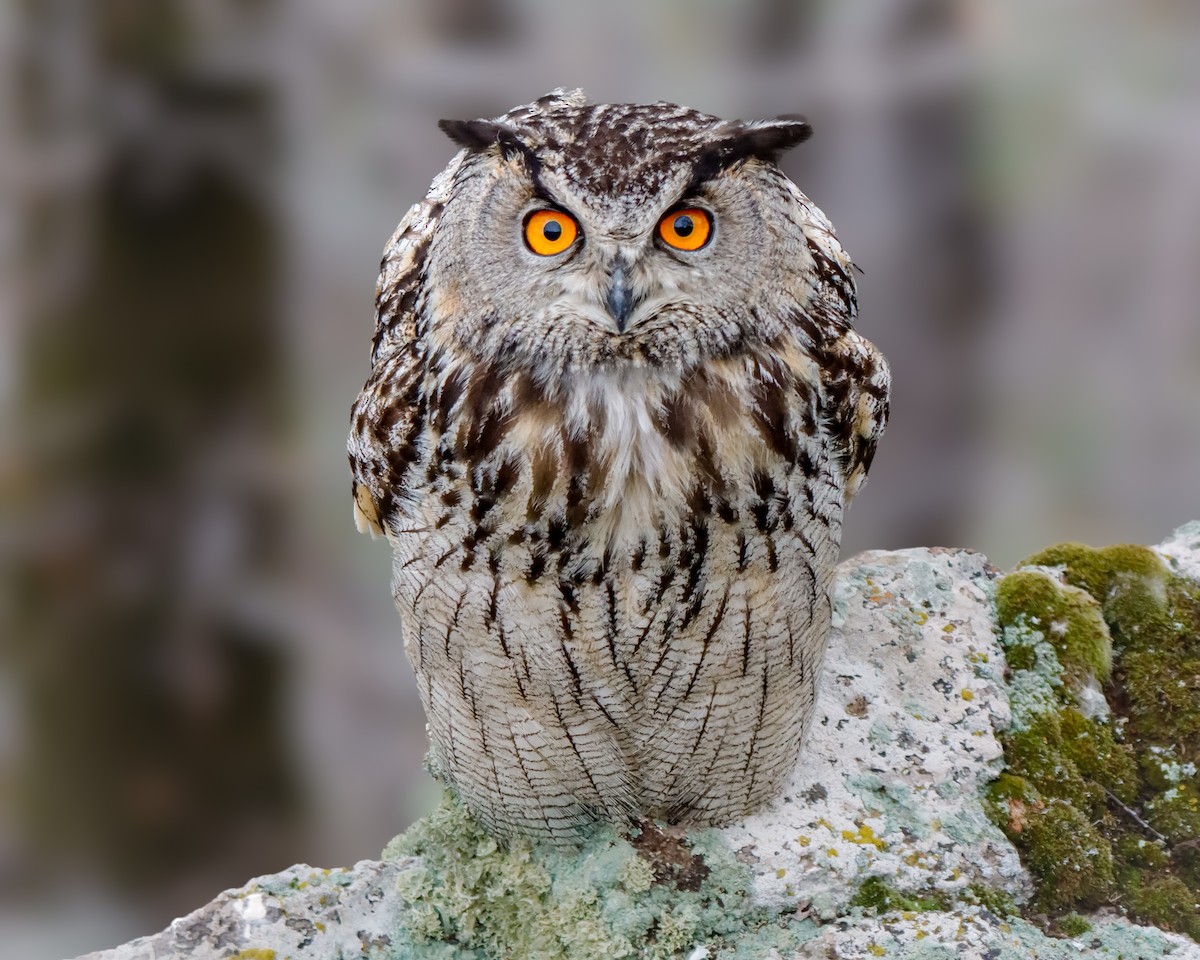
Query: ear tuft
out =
(475, 134)
(769, 139)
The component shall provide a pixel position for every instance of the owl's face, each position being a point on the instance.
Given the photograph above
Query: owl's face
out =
(615, 235)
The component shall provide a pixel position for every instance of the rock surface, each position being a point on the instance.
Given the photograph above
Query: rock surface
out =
(902, 738)
(302, 912)
(887, 788)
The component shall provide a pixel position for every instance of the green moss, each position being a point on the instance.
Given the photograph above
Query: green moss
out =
(877, 896)
(1166, 902)
(1160, 670)
(1071, 862)
(480, 899)
(1175, 813)
(1072, 925)
(1095, 570)
(1104, 807)
(1069, 618)
(997, 901)
(1139, 852)
(1092, 746)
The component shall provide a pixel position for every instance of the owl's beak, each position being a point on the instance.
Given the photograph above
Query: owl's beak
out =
(621, 300)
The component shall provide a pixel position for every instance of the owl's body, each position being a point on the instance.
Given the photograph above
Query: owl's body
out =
(614, 476)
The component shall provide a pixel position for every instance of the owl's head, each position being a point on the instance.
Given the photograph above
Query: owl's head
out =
(577, 235)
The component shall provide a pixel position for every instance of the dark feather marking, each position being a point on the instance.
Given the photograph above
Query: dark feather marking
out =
(451, 627)
(665, 579)
(712, 699)
(574, 746)
(743, 552)
(577, 467)
(447, 396)
(610, 594)
(642, 636)
(576, 681)
(506, 476)
(537, 566)
(639, 556)
(764, 488)
(772, 558)
(556, 533)
(468, 695)
(662, 658)
(517, 676)
(708, 636)
(544, 473)
(762, 710)
(488, 431)
(834, 277)
(770, 417)
(677, 420)
(746, 636)
(421, 591)
(604, 710)
(693, 555)
(525, 772)
(567, 592)
(493, 603)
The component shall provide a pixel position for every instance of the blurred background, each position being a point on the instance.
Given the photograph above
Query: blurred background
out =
(201, 677)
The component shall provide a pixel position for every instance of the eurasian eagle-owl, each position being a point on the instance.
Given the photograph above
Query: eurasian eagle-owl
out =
(615, 411)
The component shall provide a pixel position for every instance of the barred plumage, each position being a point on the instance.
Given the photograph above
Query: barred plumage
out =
(615, 535)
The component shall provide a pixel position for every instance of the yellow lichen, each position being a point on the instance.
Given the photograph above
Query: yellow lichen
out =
(864, 835)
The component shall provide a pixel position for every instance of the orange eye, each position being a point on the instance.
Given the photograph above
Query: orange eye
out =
(686, 229)
(548, 232)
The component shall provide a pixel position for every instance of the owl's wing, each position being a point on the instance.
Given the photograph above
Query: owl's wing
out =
(855, 378)
(388, 417)
(857, 383)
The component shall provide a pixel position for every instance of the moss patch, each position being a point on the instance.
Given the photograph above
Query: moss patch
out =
(1103, 798)
(658, 896)
(877, 896)
(1066, 616)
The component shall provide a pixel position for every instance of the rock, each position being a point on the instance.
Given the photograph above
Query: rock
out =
(1181, 551)
(883, 827)
(302, 912)
(888, 784)
(978, 934)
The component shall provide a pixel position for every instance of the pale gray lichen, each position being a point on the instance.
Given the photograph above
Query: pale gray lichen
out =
(655, 895)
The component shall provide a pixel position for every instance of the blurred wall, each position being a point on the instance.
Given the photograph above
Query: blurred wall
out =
(200, 670)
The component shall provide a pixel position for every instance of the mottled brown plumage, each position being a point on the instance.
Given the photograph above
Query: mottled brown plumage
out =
(614, 478)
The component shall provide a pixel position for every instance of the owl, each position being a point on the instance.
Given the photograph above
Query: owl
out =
(615, 412)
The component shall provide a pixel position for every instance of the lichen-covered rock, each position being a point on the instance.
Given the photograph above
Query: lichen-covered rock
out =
(976, 933)
(902, 741)
(897, 821)
(302, 912)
